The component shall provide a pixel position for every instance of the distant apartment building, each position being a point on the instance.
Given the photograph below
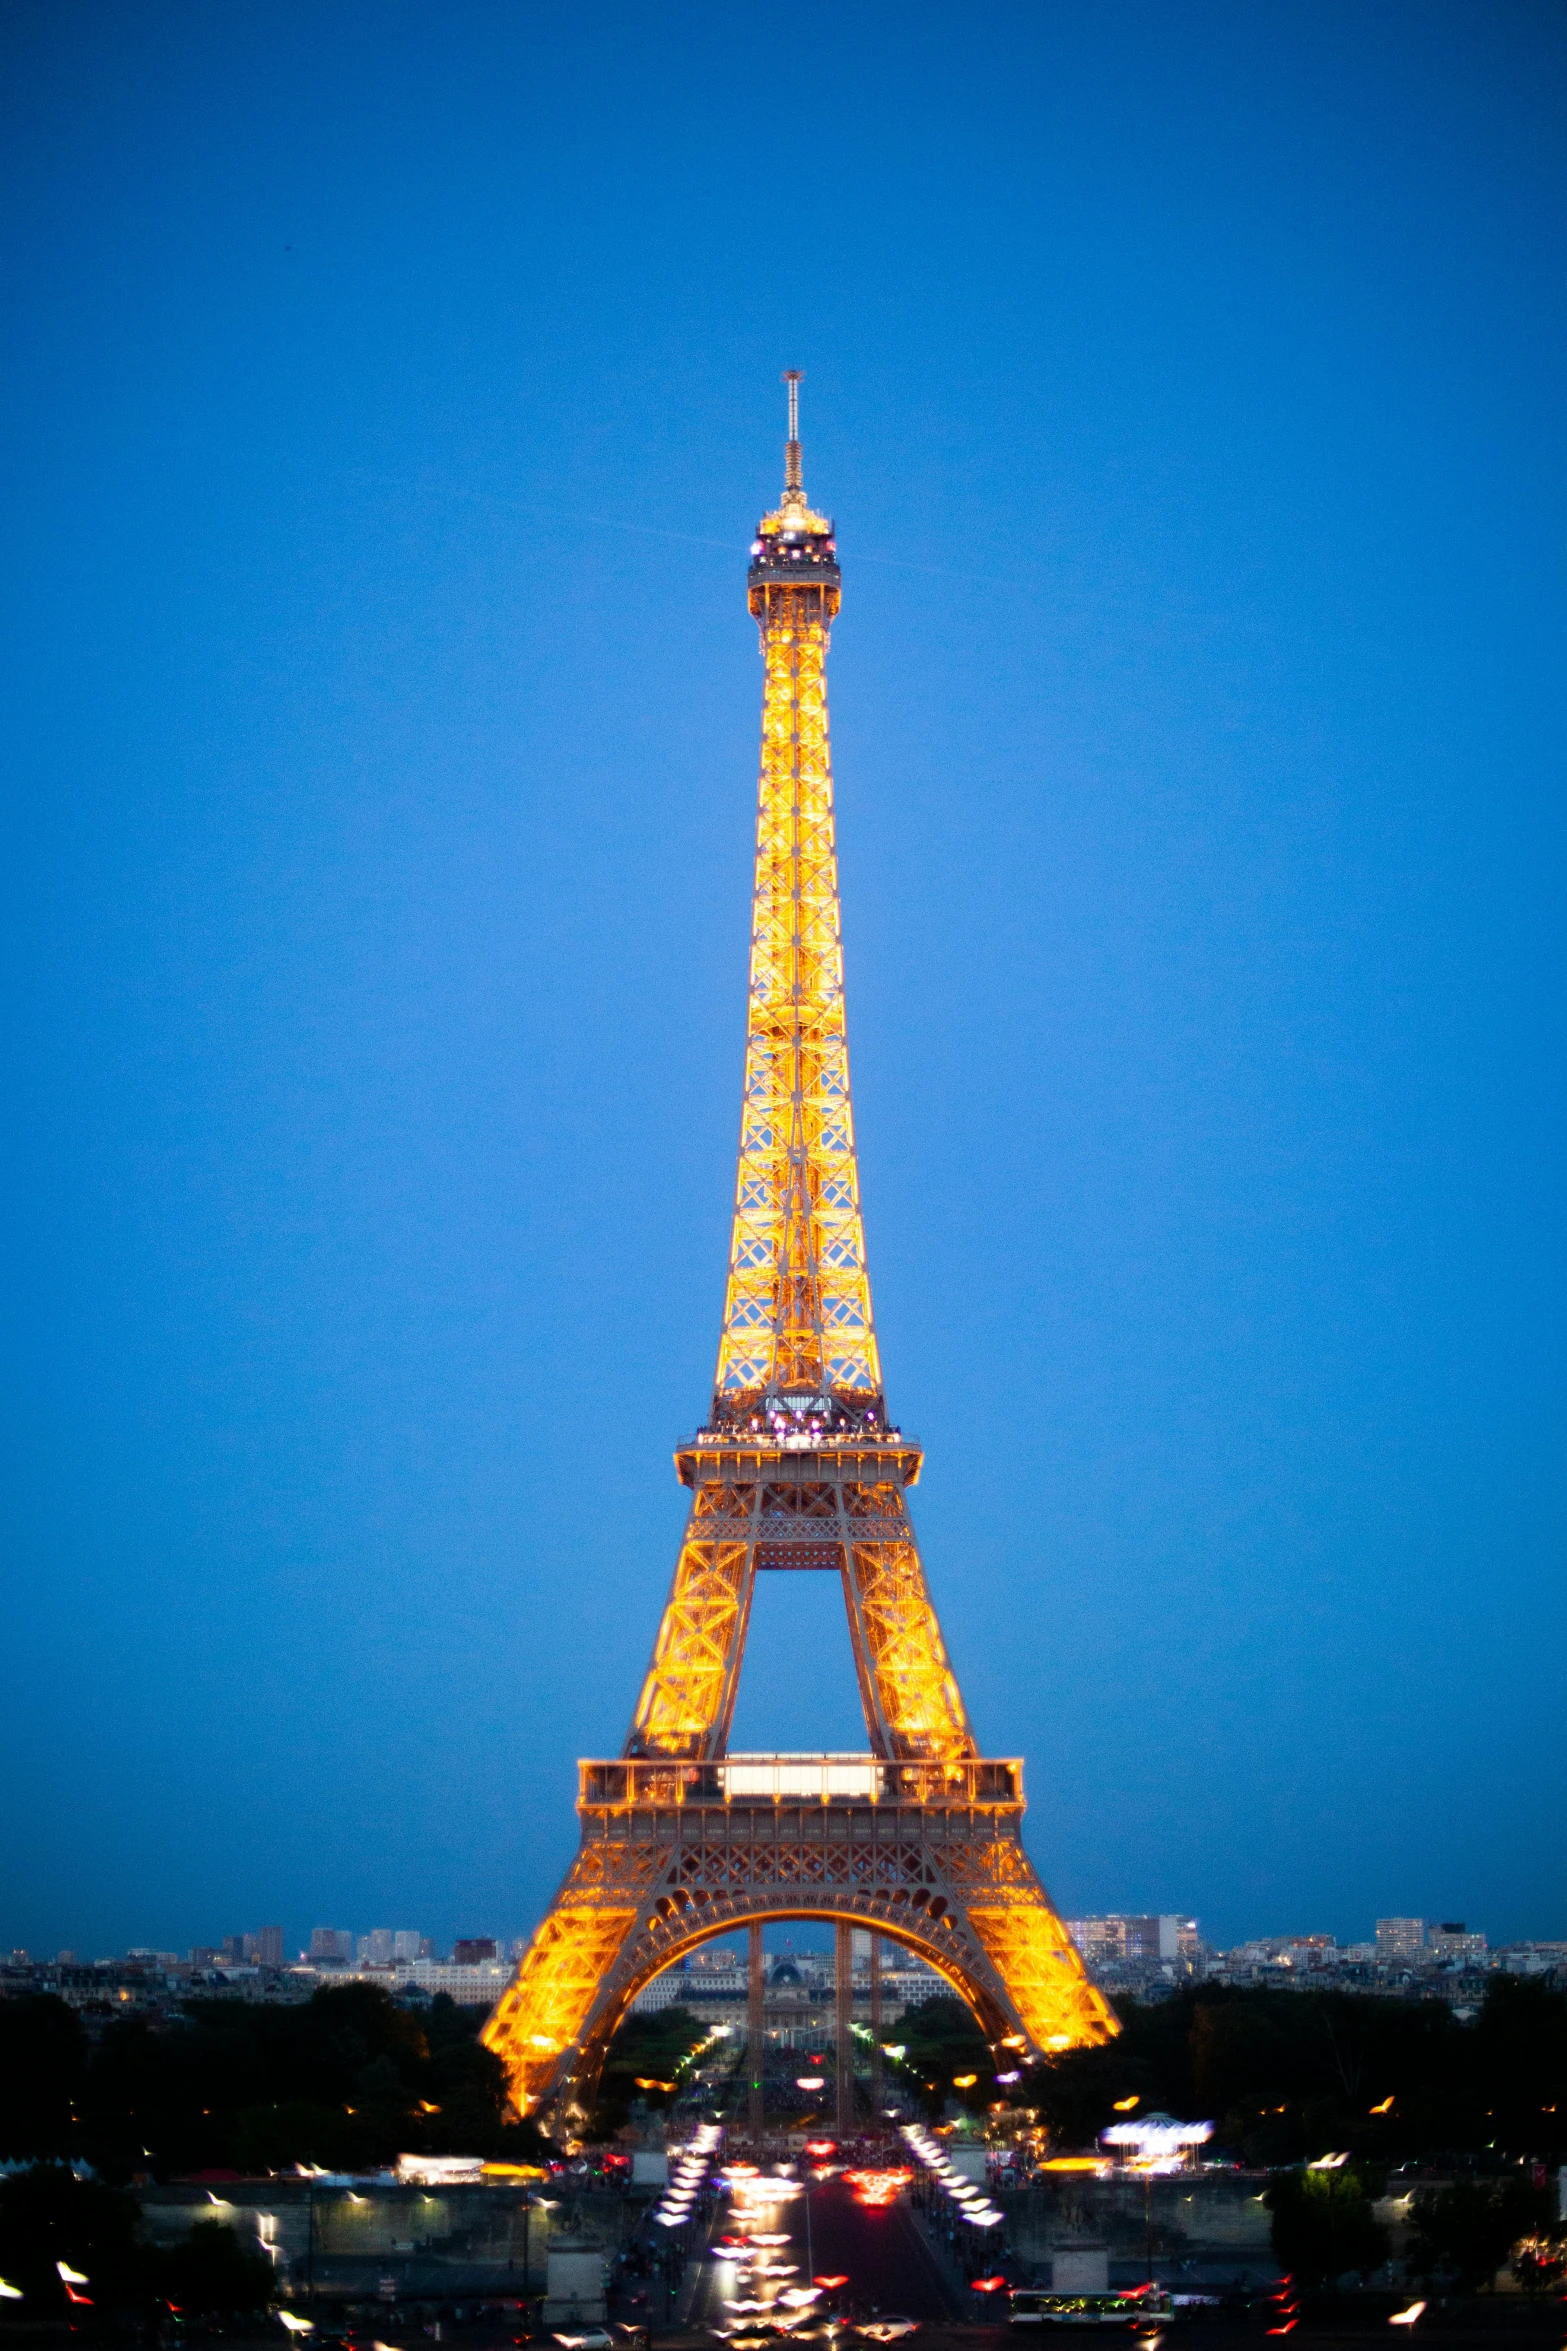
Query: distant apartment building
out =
(331, 1946)
(712, 1975)
(479, 1986)
(394, 1947)
(1452, 1940)
(1310, 1951)
(1306, 1953)
(665, 1991)
(474, 1950)
(262, 1949)
(908, 1981)
(1293, 1962)
(1124, 1941)
(1535, 1958)
(1436, 1956)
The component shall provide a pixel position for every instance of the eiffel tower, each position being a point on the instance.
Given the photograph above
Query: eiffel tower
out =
(798, 1470)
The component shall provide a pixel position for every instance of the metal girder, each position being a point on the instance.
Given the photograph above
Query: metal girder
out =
(912, 1703)
(843, 2024)
(908, 1689)
(946, 1877)
(797, 1312)
(797, 1469)
(688, 1697)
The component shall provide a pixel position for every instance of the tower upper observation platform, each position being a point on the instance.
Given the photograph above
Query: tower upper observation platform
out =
(794, 547)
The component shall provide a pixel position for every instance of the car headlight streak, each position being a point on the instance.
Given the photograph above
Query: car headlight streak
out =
(974, 2205)
(675, 2205)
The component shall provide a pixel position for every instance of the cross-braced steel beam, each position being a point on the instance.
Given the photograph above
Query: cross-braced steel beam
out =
(797, 1468)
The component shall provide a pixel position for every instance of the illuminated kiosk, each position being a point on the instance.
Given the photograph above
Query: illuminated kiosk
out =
(796, 1469)
(1156, 2143)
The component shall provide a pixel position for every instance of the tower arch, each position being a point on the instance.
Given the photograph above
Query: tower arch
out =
(936, 1946)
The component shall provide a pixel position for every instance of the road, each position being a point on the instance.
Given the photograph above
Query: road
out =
(879, 2249)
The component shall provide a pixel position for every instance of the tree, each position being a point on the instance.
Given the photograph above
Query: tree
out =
(48, 2215)
(209, 2272)
(1286, 2075)
(1081, 2092)
(295, 2130)
(648, 2048)
(349, 2078)
(1323, 2224)
(43, 2057)
(1520, 2044)
(944, 2044)
(1466, 2232)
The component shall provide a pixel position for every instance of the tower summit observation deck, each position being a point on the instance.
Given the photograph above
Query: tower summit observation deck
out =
(796, 1468)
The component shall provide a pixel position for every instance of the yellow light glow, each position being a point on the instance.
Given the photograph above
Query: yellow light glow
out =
(777, 1486)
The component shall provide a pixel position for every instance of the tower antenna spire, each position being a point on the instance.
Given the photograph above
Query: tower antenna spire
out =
(793, 377)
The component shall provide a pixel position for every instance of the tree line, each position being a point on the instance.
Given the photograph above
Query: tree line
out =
(50, 2218)
(348, 2080)
(1283, 2076)
(1326, 2225)
(1288, 2076)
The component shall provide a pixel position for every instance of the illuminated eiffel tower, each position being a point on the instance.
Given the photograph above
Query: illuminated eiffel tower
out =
(797, 1469)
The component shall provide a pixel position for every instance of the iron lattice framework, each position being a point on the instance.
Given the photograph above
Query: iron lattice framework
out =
(797, 1468)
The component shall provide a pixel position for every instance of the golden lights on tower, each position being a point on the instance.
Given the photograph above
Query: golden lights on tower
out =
(796, 1468)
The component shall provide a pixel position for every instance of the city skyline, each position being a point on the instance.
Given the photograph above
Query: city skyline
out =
(390, 415)
(1394, 1939)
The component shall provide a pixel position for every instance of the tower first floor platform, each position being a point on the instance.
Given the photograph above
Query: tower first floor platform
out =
(929, 1854)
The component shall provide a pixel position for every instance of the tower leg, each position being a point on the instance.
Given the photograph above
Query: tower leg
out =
(843, 2004)
(755, 2028)
(876, 2083)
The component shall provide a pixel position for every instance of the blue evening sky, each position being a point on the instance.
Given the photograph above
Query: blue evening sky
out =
(389, 393)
